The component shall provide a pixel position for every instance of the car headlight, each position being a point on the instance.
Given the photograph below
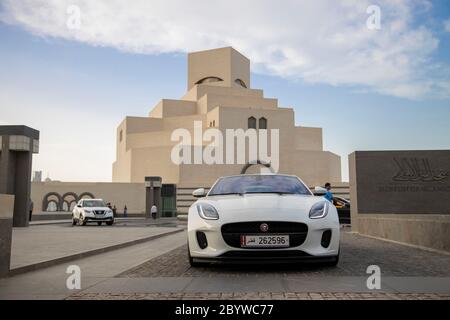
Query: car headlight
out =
(87, 211)
(319, 210)
(207, 211)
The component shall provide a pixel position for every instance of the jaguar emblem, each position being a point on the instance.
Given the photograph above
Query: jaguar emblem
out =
(264, 227)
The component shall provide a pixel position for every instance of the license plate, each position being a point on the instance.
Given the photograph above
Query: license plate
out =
(272, 241)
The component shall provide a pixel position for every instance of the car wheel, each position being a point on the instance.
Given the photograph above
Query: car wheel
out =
(109, 223)
(333, 262)
(81, 221)
(191, 260)
(99, 223)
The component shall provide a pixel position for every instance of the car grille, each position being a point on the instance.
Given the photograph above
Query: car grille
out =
(99, 211)
(232, 232)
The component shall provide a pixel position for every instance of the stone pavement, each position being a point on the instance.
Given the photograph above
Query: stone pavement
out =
(260, 296)
(40, 243)
(159, 269)
(357, 253)
(406, 273)
(50, 283)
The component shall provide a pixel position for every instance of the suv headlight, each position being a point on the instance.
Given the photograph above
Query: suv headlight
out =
(319, 210)
(87, 211)
(207, 211)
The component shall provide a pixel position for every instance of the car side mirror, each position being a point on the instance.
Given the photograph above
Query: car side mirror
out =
(319, 191)
(79, 205)
(199, 193)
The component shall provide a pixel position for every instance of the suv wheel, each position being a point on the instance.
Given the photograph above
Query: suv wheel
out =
(110, 223)
(99, 223)
(81, 221)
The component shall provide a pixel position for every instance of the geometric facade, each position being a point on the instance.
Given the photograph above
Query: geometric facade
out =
(219, 95)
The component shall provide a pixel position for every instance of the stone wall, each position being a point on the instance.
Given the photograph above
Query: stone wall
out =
(120, 194)
(6, 223)
(402, 196)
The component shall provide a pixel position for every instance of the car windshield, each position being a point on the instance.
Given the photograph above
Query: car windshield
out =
(93, 203)
(259, 184)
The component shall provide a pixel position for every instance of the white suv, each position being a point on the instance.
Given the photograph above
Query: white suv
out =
(92, 210)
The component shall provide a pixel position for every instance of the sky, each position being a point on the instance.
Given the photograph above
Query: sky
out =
(76, 79)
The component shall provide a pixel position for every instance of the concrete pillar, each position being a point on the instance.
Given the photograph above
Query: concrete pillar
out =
(22, 189)
(17, 145)
(6, 223)
(153, 195)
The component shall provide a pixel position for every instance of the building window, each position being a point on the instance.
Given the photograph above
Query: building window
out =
(209, 80)
(252, 123)
(120, 135)
(35, 146)
(241, 83)
(262, 123)
(19, 143)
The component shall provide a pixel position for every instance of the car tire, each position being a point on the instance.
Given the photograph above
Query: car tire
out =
(109, 223)
(333, 261)
(192, 262)
(81, 222)
(99, 223)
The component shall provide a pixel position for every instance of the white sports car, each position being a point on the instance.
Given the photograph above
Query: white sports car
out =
(262, 218)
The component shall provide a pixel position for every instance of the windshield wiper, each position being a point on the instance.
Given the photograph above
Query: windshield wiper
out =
(226, 194)
(274, 192)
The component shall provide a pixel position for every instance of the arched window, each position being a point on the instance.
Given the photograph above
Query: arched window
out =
(241, 83)
(209, 80)
(262, 123)
(252, 123)
(52, 206)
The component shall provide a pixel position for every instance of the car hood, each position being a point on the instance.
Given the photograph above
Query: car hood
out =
(263, 202)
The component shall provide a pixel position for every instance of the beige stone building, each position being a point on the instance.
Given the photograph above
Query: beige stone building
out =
(219, 94)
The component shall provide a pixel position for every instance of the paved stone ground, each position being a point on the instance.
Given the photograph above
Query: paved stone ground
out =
(357, 253)
(40, 243)
(407, 274)
(259, 296)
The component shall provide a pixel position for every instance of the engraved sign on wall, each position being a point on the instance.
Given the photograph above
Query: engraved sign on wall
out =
(415, 182)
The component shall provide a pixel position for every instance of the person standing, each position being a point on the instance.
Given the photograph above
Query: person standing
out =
(125, 211)
(114, 210)
(328, 195)
(31, 209)
(154, 211)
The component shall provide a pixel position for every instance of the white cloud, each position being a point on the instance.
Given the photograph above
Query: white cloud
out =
(447, 25)
(315, 41)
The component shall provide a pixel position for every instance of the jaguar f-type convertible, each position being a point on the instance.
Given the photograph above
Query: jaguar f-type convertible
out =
(262, 218)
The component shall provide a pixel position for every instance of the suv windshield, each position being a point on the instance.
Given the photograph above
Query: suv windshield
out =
(93, 203)
(259, 184)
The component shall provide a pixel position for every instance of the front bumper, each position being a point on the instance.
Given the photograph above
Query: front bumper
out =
(87, 219)
(265, 257)
(98, 217)
(310, 248)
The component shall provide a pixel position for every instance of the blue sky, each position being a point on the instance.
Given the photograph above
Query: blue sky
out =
(76, 89)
